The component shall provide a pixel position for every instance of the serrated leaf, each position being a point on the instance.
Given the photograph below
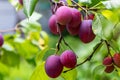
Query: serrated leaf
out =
(29, 6)
(102, 27)
(39, 73)
(97, 25)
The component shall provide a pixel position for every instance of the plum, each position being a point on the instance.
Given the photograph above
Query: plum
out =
(76, 18)
(53, 66)
(63, 15)
(53, 25)
(107, 61)
(109, 69)
(116, 59)
(90, 16)
(86, 34)
(1, 40)
(68, 59)
(73, 30)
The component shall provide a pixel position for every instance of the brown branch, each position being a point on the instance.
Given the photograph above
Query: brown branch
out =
(10, 30)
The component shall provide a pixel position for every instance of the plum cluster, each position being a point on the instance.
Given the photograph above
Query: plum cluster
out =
(111, 62)
(1, 40)
(71, 19)
(54, 63)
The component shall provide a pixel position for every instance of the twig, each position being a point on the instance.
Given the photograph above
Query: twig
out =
(79, 6)
(108, 48)
(10, 30)
(67, 45)
(88, 58)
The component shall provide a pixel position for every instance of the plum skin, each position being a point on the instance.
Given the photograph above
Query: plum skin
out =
(86, 34)
(53, 66)
(68, 59)
(73, 30)
(63, 15)
(109, 69)
(53, 25)
(90, 16)
(1, 40)
(116, 59)
(76, 18)
(107, 61)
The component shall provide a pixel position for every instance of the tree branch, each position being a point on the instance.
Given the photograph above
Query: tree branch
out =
(88, 58)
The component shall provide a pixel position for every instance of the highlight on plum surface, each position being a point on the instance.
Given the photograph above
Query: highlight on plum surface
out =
(68, 59)
(1, 40)
(107, 61)
(63, 15)
(86, 34)
(53, 66)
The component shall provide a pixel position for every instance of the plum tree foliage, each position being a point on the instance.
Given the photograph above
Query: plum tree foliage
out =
(85, 44)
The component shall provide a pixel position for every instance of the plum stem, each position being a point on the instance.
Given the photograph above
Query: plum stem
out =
(88, 58)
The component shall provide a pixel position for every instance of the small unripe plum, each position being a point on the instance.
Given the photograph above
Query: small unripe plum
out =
(109, 69)
(90, 16)
(73, 30)
(21, 2)
(53, 66)
(116, 59)
(68, 59)
(76, 18)
(63, 15)
(1, 40)
(86, 34)
(53, 25)
(107, 61)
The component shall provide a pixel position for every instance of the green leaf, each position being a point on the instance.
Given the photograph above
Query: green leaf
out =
(16, 4)
(3, 69)
(39, 73)
(40, 55)
(10, 58)
(70, 75)
(31, 26)
(45, 37)
(29, 6)
(69, 2)
(26, 49)
(102, 27)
